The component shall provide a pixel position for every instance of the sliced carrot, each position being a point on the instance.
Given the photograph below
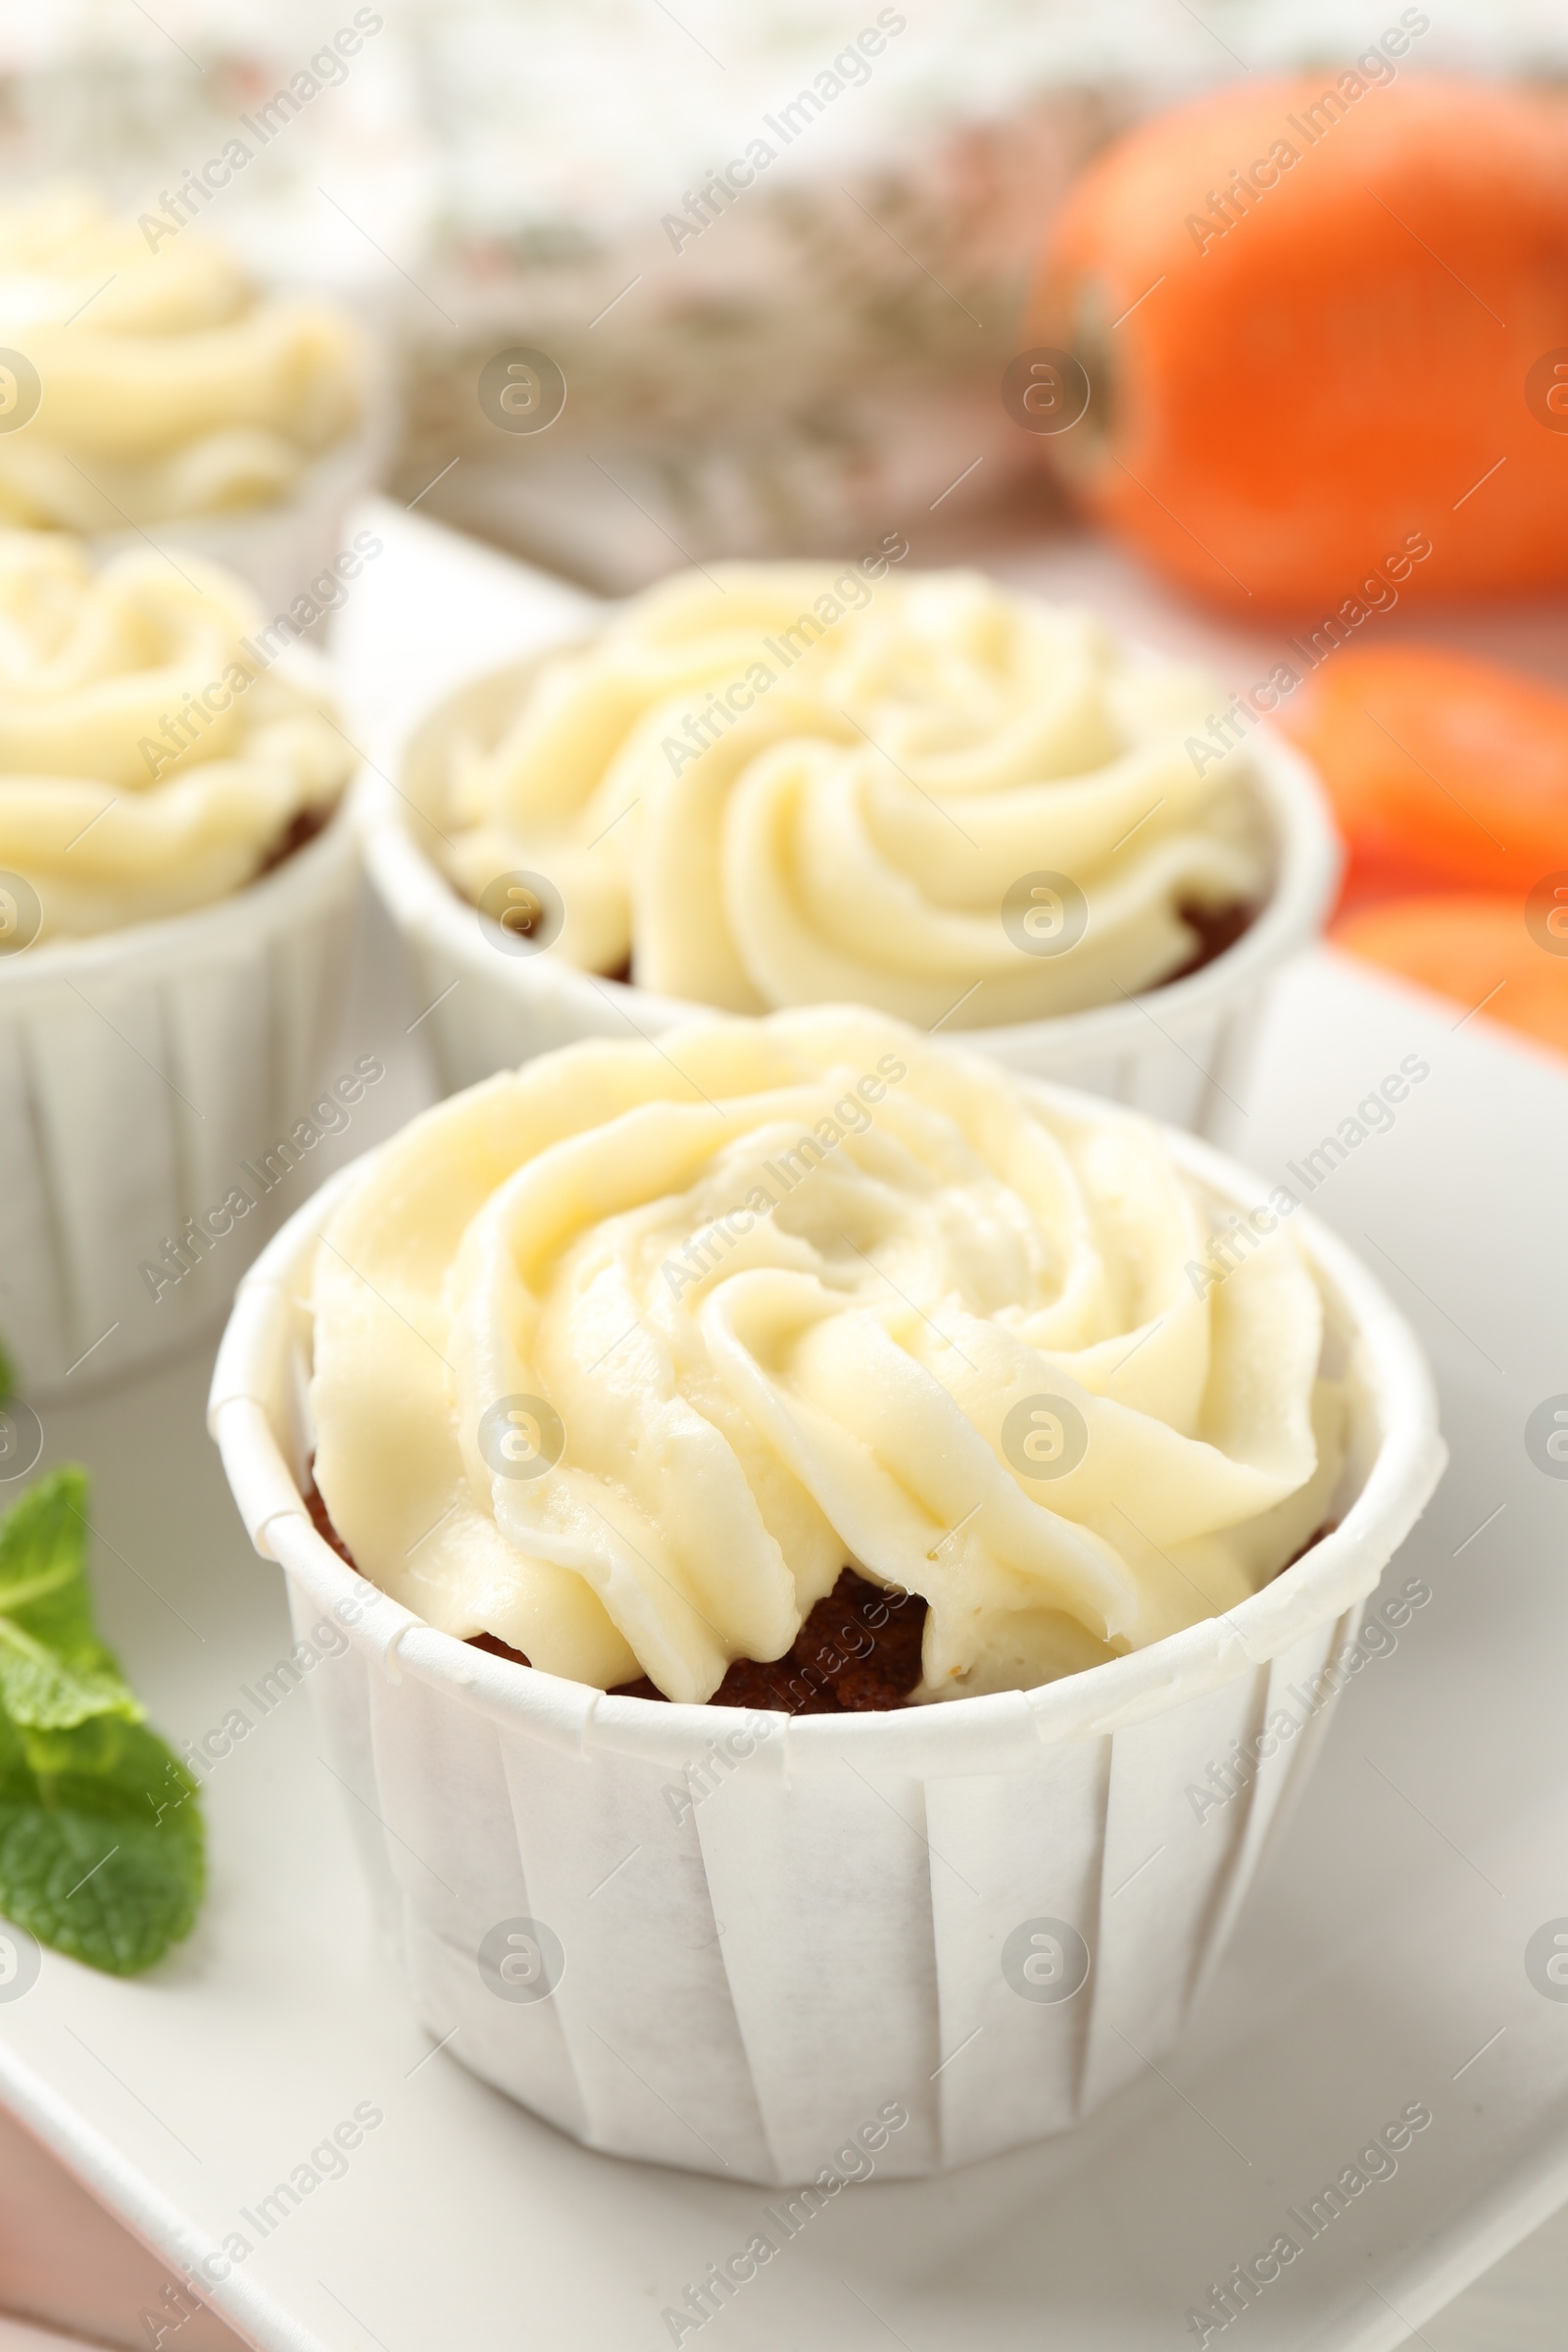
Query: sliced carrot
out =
(1322, 321)
(1475, 950)
(1444, 771)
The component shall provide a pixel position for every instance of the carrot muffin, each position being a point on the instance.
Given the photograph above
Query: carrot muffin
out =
(625, 1360)
(779, 785)
(152, 757)
(156, 382)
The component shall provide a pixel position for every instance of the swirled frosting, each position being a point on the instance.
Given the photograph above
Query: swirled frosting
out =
(167, 386)
(778, 785)
(623, 1357)
(150, 757)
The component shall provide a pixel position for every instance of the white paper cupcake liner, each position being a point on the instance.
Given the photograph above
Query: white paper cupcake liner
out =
(734, 1961)
(1177, 1053)
(138, 1071)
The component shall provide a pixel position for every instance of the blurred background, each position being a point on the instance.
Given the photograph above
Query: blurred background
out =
(786, 376)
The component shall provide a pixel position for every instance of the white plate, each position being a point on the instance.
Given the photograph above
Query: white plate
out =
(1382, 1963)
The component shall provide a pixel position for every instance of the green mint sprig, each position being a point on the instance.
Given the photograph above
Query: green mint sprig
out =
(102, 1848)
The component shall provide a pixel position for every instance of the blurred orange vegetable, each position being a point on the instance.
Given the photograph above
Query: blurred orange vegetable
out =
(1445, 772)
(1477, 951)
(1325, 326)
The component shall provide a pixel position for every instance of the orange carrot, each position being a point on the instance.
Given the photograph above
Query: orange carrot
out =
(1325, 324)
(1477, 952)
(1445, 772)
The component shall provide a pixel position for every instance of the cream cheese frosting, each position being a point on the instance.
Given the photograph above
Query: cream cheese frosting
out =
(623, 1357)
(151, 759)
(167, 386)
(775, 785)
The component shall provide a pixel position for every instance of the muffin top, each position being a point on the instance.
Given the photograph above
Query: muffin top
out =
(621, 1358)
(151, 757)
(781, 785)
(163, 384)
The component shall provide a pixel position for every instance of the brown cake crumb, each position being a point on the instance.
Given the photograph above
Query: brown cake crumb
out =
(498, 1648)
(303, 826)
(857, 1651)
(1316, 1537)
(321, 1518)
(322, 1521)
(1217, 928)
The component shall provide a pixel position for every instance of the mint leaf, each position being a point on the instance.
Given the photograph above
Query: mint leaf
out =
(102, 1847)
(54, 1671)
(105, 1862)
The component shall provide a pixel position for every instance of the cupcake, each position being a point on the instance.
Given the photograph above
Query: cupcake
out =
(151, 387)
(176, 884)
(811, 1508)
(776, 786)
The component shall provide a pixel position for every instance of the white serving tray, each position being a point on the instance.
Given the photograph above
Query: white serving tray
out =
(1381, 1964)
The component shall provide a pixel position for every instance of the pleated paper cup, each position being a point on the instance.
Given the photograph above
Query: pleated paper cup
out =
(1178, 1052)
(745, 1943)
(138, 1069)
